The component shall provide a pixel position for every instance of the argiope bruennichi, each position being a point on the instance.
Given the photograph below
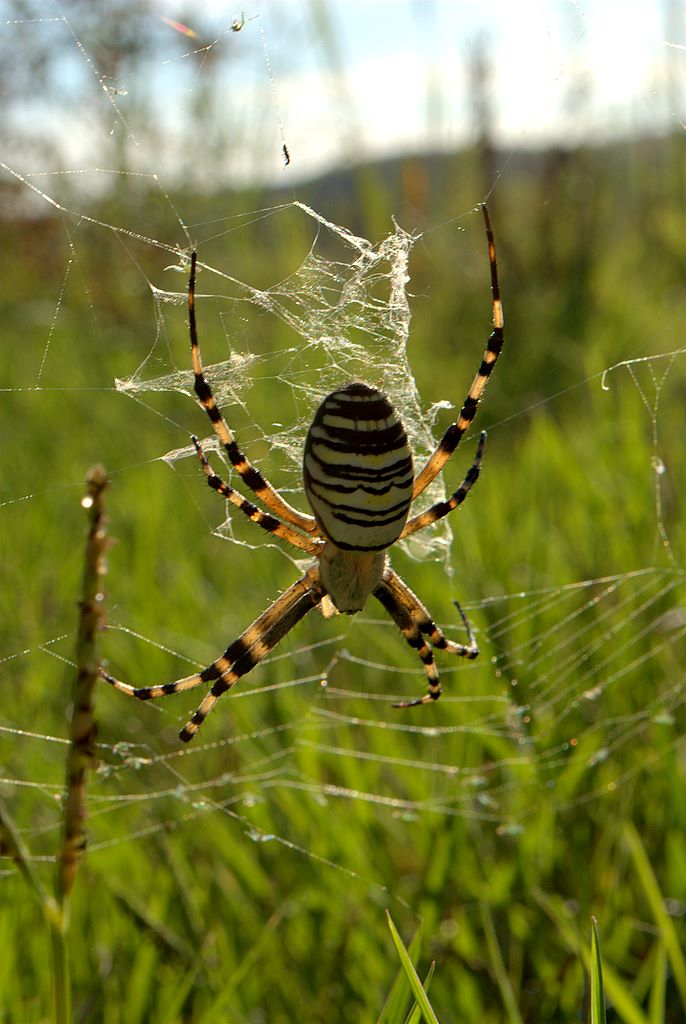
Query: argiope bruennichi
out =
(360, 484)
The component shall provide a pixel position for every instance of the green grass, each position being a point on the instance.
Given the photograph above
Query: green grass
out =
(248, 880)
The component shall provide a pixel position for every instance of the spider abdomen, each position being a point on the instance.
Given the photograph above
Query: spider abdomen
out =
(358, 469)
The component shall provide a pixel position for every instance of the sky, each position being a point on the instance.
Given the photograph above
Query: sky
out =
(388, 77)
(338, 80)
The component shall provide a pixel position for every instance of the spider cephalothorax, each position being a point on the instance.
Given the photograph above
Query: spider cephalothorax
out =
(360, 484)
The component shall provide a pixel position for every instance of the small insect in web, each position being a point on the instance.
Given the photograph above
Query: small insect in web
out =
(360, 484)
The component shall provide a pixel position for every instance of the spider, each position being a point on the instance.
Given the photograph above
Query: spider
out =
(360, 484)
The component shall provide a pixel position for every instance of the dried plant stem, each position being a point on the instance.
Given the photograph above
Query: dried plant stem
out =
(83, 728)
(79, 759)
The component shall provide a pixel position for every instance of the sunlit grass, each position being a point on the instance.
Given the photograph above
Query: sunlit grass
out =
(263, 896)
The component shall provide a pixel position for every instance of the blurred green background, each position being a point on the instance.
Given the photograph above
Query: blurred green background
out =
(245, 878)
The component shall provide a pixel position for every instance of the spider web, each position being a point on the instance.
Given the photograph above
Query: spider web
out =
(580, 685)
(348, 314)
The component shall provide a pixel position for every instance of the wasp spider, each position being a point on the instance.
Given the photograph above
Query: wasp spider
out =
(360, 484)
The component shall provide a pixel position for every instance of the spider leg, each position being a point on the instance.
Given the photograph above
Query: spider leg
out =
(453, 434)
(409, 600)
(249, 473)
(267, 522)
(410, 630)
(414, 621)
(442, 508)
(242, 655)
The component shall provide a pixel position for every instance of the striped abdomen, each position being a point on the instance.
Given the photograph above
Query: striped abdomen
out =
(358, 469)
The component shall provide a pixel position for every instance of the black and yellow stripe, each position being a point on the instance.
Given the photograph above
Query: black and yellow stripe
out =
(415, 623)
(255, 643)
(239, 657)
(443, 508)
(250, 475)
(267, 522)
(358, 469)
(455, 431)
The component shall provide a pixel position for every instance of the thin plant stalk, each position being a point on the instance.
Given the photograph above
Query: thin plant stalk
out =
(79, 759)
(81, 754)
(82, 727)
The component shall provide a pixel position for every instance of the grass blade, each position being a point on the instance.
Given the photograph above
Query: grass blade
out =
(420, 995)
(658, 992)
(416, 1013)
(657, 905)
(396, 1001)
(617, 989)
(597, 991)
(507, 995)
(12, 845)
